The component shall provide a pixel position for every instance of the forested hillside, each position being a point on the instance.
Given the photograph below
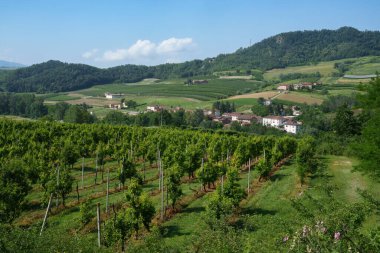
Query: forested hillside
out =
(285, 49)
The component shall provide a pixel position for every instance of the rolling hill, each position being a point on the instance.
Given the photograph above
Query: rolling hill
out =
(279, 51)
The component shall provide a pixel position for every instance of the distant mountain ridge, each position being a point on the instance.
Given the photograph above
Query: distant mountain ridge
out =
(282, 50)
(8, 64)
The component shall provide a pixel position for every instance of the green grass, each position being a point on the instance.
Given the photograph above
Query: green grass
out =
(62, 97)
(214, 89)
(360, 66)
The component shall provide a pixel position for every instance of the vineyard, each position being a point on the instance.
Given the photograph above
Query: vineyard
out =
(132, 188)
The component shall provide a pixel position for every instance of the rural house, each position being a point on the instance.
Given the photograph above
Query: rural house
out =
(273, 121)
(283, 87)
(112, 96)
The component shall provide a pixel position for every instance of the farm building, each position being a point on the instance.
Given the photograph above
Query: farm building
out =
(291, 126)
(113, 95)
(273, 121)
(283, 87)
(115, 106)
(154, 108)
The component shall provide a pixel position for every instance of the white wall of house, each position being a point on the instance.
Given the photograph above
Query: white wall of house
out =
(292, 128)
(272, 122)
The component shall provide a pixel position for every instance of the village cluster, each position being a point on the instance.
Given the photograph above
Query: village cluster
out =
(285, 123)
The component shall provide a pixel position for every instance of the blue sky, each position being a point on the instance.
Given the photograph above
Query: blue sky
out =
(107, 33)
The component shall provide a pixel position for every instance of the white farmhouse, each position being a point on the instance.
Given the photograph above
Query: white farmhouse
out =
(273, 121)
(112, 96)
(283, 87)
(154, 108)
(292, 127)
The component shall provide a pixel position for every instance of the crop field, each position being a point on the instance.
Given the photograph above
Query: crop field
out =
(325, 68)
(214, 89)
(359, 66)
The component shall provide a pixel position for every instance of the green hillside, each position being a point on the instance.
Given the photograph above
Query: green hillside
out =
(279, 51)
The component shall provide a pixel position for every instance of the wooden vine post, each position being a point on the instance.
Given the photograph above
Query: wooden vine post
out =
(249, 175)
(98, 222)
(82, 172)
(46, 213)
(108, 187)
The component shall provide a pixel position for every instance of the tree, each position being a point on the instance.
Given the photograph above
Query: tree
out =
(208, 174)
(86, 213)
(63, 185)
(263, 166)
(232, 189)
(305, 157)
(70, 154)
(14, 186)
(368, 146)
(194, 118)
(173, 182)
(127, 171)
(141, 208)
(345, 123)
(219, 207)
(193, 156)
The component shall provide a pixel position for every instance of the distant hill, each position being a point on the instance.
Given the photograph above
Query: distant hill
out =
(282, 50)
(8, 64)
(301, 47)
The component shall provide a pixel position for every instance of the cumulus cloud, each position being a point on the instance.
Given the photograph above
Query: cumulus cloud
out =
(118, 54)
(90, 54)
(173, 45)
(141, 48)
(146, 49)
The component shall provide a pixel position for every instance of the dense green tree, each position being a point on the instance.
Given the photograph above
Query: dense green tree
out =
(305, 158)
(14, 186)
(61, 183)
(173, 184)
(232, 189)
(368, 147)
(345, 123)
(194, 118)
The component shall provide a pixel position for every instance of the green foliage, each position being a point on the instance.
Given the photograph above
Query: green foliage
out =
(173, 184)
(305, 157)
(312, 77)
(296, 48)
(345, 123)
(223, 106)
(263, 167)
(86, 213)
(336, 227)
(127, 170)
(219, 207)
(61, 186)
(208, 174)
(26, 105)
(368, 148)
(78, 114)
(70, 154)
(232, 189)
(14, 186)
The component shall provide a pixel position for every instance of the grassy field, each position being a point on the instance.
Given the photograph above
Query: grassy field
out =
(357, 66)
(173, 93)
(216, 88)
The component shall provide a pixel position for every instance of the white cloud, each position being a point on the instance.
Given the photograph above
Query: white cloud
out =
(173, 45)
(141, 48)
(117, 55)
(90, 54)
(145, 50)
